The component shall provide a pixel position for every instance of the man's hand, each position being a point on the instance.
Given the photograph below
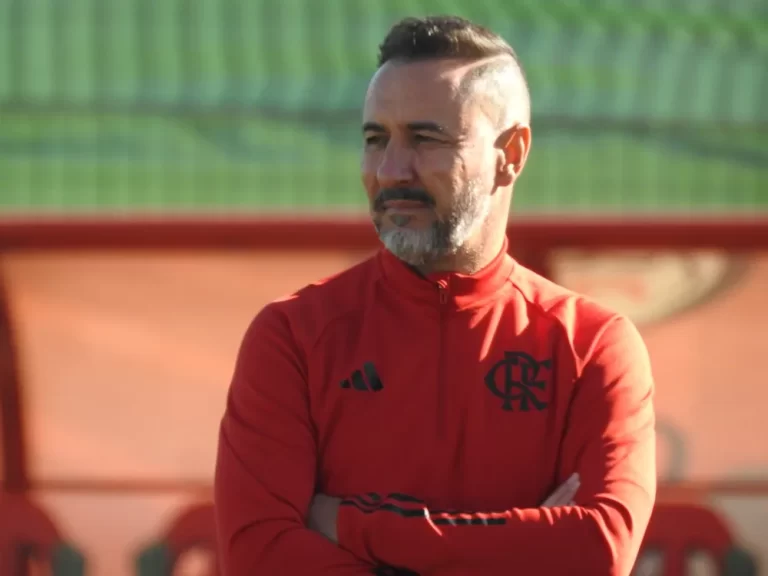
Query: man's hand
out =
(564, 494)
(323, 514)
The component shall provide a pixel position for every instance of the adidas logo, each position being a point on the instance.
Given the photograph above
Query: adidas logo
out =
(357, 381)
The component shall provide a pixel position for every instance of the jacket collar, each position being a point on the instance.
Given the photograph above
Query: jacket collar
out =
(448, 288)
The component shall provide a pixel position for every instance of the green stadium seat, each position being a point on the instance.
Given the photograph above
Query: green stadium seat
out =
(739, 562)
(678, 531)
(67, 561)
(193, 529)
(155, 560)
(29, 538)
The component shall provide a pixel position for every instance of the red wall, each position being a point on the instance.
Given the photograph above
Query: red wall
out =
(124, 349)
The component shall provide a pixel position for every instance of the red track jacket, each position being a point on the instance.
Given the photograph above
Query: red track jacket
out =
(443, 410)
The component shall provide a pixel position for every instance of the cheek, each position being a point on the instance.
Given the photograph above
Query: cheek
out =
(478, 169)
(368, 174)
(439, 171)
(449, 177)
(439, 161)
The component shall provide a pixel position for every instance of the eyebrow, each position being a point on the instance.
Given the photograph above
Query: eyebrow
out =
(423, 126)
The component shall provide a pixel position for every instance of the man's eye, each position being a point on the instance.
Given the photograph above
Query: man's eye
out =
(423, 138)
(373, 140)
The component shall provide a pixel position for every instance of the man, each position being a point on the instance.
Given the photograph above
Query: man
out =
(417, 412)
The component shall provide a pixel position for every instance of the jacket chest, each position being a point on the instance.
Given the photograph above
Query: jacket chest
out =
(446, 410)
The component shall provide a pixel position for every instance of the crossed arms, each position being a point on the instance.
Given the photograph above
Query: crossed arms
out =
(266, 472)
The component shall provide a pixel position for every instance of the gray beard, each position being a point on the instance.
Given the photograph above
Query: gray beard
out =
(415, 247)
(444, 238)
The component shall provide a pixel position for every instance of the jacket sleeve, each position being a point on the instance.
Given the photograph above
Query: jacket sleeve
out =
(609, 441)
(266, 462)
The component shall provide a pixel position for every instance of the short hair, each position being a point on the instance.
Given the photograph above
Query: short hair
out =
(449, 37)
(437, 37)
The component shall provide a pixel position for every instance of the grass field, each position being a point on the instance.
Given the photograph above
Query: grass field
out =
(639, 105)
(67, 163)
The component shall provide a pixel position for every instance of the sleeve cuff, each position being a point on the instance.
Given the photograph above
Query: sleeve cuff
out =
(388, 530)
(351, 530)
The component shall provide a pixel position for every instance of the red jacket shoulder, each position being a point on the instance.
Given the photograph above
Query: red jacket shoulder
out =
(584, 322)
(306, 312)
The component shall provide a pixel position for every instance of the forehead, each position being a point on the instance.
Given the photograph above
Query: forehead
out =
(417, 91)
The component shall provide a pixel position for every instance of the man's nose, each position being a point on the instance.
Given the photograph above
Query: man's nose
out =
(396, 166)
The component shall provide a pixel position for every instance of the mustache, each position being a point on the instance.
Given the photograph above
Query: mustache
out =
(411, 194)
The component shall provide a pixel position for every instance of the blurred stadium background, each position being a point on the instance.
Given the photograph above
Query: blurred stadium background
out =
(168, 167)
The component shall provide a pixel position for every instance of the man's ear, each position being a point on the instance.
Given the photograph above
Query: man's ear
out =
(513, 144)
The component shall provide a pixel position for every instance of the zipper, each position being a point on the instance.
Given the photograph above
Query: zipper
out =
(442, 291)
(442, 295)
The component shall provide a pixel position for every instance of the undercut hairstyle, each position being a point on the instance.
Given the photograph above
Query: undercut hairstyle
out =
(499, 80)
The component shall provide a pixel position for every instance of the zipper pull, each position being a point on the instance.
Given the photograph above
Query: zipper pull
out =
(442, 291)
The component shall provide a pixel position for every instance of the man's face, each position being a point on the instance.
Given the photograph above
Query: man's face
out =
(429, 160)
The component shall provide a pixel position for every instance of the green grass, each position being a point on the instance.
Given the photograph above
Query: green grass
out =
(639, 105)
(148, 163)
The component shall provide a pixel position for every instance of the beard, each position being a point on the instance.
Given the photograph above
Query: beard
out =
(445, 237)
